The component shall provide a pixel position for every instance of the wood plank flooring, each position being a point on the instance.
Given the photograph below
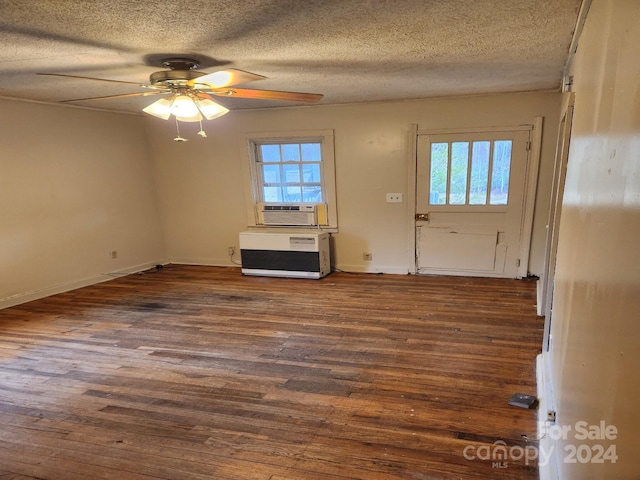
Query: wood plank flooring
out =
(202, 373)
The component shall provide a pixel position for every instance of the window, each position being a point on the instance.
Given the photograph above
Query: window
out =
(470, 173)
(292, 169)
(290, 172)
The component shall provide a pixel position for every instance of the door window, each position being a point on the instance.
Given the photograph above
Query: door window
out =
(470, 172)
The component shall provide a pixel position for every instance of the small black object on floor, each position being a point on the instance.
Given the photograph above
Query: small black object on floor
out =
(523, 401)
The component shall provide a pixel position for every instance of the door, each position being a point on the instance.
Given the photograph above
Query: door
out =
(470, 190)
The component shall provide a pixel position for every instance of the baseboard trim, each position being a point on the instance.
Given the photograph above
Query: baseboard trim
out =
(547, 448)
(204, 262)
(26, 297)
(539, 306)
(371, 269)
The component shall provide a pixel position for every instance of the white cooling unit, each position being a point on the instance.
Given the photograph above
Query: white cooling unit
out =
(289, 214)
(302, 255)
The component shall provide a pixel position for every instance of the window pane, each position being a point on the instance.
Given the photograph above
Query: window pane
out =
(271, 173)
(311, 173)
(293, 194)
(500, 172)
(479, 173)
(270, 153)
(272, 194)
(459, 166)
(291, 173)
(311, 152)
(312, 194)
(438, 178)
(291, 152)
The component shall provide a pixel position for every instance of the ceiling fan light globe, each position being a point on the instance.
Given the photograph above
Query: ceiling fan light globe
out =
(194, 118)
(160, 109)
(184, 106)
(211, 109)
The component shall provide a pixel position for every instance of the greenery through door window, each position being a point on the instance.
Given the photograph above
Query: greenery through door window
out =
(470, 173)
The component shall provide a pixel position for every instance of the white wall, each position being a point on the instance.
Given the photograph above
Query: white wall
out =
(77, 184)
(74, 184)
(595, 352)
(201, 183)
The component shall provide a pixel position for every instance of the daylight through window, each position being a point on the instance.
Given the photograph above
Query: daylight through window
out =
(290, 172)
(470, 173)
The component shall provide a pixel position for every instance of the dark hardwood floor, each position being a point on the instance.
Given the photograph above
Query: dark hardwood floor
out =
(202, 373)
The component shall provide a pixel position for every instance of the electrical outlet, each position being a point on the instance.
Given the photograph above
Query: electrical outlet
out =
(367, 256)
(231, 251)
(113, 253)
(394, 198)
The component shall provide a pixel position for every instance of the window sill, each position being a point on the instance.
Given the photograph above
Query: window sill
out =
(293, 229)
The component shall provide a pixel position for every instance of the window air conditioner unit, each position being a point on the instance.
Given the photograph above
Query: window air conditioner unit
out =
(302, 255)
(289, 214)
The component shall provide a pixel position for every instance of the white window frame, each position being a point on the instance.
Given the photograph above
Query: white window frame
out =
(252, 175)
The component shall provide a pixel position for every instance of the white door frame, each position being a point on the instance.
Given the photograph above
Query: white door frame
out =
(553, 224)
(531, 185)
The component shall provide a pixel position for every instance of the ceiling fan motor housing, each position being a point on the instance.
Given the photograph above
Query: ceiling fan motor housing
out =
(182, 70)
(181, 63)
(174, 77)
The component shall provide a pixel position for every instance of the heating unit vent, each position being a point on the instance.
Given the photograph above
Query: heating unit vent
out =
(304, 255)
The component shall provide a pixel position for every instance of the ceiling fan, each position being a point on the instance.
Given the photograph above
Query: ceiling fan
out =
(190, 91)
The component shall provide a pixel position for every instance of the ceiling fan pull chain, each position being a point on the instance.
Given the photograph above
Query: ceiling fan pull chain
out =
(202, 133)
(179, 138)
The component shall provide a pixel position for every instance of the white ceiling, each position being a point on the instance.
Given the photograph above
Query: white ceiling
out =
(348, 50)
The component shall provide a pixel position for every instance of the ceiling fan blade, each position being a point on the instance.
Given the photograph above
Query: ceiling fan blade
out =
(124, 95)
(267, 94)
(224, 78)
(88, 78)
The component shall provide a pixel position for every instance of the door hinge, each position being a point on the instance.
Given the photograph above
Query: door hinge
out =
(528, 146)
(517, 262)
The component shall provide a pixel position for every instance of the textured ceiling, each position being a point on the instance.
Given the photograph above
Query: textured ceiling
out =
(348, 50)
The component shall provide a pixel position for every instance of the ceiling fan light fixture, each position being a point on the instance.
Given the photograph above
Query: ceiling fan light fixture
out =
(183, 106)
(160, 109)
(210, 109)
(193, 118)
